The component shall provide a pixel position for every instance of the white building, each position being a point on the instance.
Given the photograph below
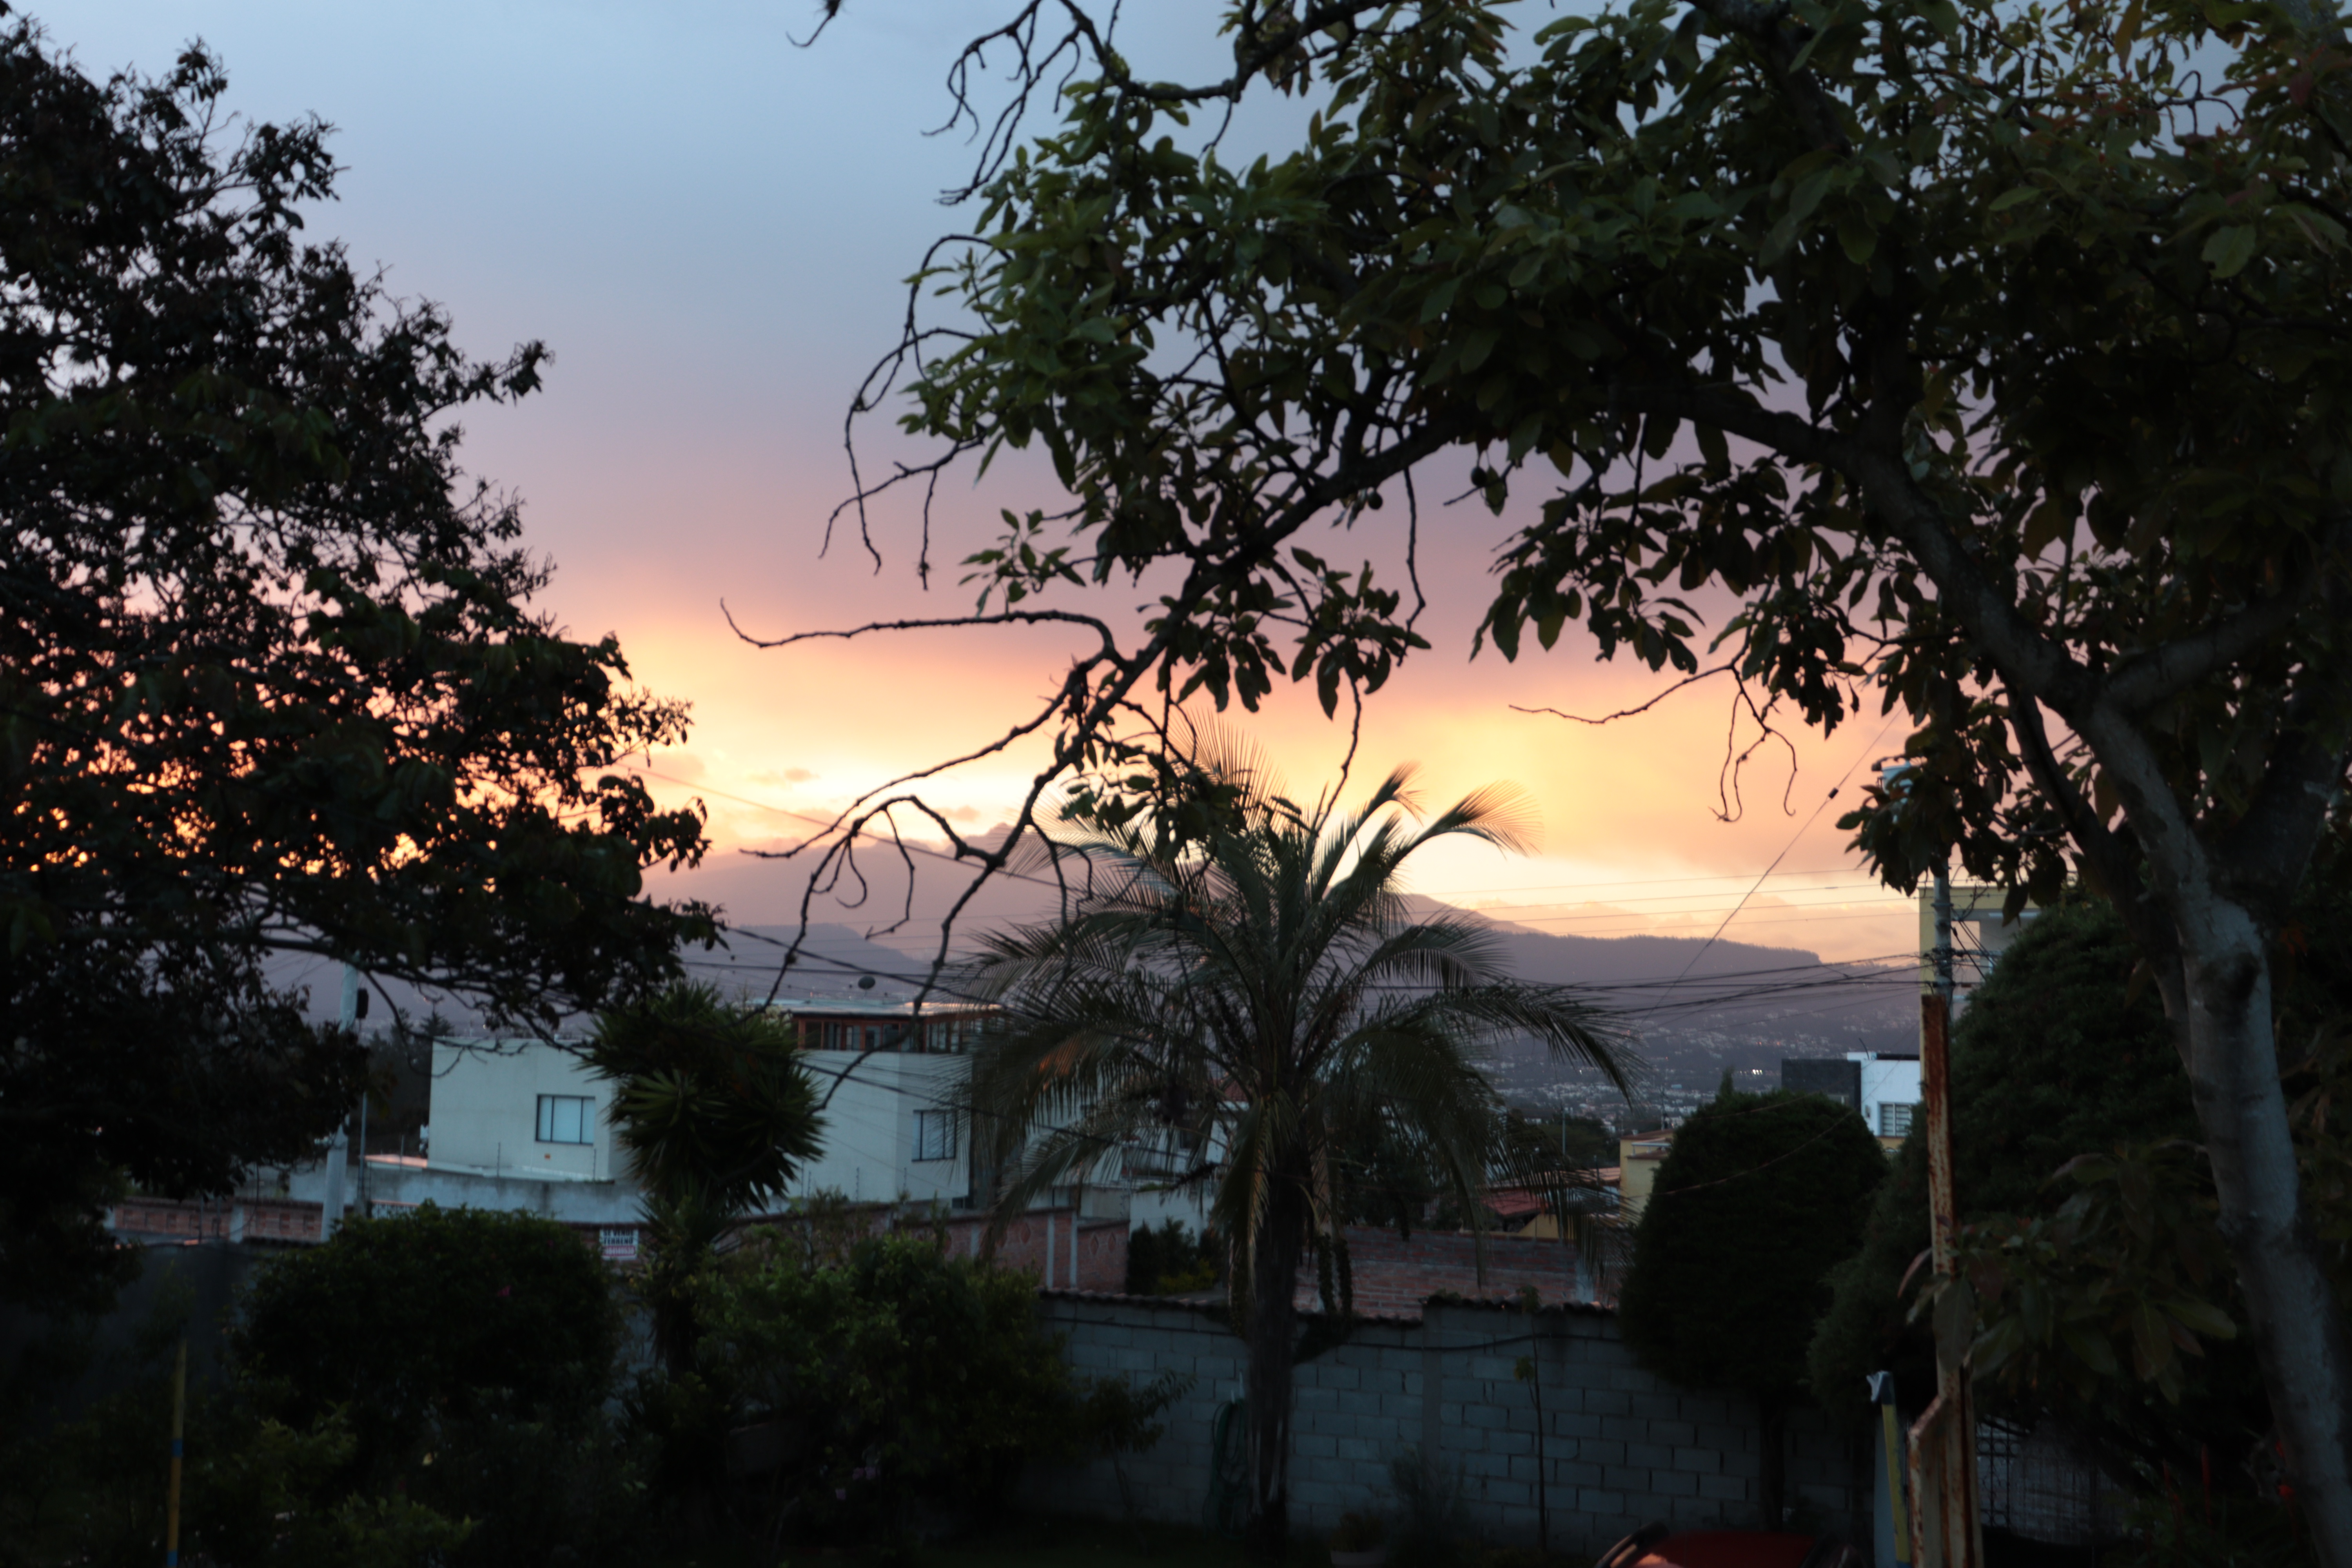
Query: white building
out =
(1888, 1092)
(519, 1107)
(1883, 1088)
(887, 1078)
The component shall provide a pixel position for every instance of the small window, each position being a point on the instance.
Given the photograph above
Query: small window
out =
(935, 1136)
(566, 1119)
(1894, 1119)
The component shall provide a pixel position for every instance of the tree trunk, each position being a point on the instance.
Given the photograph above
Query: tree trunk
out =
(1273, 1338)
(2298, 1325)
(1773, 1459)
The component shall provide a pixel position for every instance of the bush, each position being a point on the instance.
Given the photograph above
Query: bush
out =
(1170, 1260)
(903, 1388)
(1760, 1197)
(469, 1353)
(256, 1492)
(438, 1315)
(2055, 1056)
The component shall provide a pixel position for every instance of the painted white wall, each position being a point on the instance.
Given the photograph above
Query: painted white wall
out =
(1886, 1082)
(870, 1102)
(484, 1111)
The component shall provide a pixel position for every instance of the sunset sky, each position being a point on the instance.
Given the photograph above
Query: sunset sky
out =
(707, 226)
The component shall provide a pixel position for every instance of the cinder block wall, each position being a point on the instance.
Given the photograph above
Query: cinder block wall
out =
(1620, 1447)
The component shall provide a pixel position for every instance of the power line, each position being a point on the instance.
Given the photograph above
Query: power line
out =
(1801, 829)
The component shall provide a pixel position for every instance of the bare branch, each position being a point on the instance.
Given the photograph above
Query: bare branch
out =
(1629, 713)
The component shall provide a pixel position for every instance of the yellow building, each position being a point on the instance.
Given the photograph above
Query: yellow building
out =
(1979, 937)
(1638, 1159)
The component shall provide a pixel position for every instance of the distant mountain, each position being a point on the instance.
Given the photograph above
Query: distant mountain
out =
(1696, 1008)
(830, 963)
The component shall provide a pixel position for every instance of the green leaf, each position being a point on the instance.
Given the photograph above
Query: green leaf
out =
(1856, 236)
(1810, 192)
(2018, 197)
(2228, 250)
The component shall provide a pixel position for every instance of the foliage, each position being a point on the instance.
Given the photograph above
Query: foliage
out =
(715, 1114)
(408, 1324)
(1389, 1184)
(1172, 1260)
(270, 678)
(1991, 356)
(255, 1491)
(913, 1383)
(1757, 1198)
(2124, 1273)
(1260, 995)
(2054, 1057)
(713, 1100)
(2096, 1260)
(2125, 1286)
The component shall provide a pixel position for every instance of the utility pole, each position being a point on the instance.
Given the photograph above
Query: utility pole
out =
(1946, 1529)
(331, 1217)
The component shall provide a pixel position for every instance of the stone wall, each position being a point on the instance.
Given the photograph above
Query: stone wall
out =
(1620, 1447)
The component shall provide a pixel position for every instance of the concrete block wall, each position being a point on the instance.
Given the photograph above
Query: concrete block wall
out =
(1620, 1447)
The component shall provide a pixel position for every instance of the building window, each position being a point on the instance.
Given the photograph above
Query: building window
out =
(1894, 1119)
(935, 1135)
(566, 1119)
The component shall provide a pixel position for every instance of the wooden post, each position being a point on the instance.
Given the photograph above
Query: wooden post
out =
(171, 1490)
(1945, 1531)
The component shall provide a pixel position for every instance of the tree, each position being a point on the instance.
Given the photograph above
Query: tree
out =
(1759, 1197)
(2054, 1058)
(1991, 358)
(715, 1114)
(1261, 989)
(270, 680)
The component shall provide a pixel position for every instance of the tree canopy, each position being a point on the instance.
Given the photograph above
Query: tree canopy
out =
(2054, 1058)
(270, 677)
(1992, 359)
(1760, 1196)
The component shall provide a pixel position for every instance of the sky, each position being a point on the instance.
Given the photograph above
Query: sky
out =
(710, 228)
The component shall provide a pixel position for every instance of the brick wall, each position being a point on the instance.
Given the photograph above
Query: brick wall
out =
(222, 1219)
(1620, 1447)
(1102, 1246)
(1395, 1276)
(1101, 1243)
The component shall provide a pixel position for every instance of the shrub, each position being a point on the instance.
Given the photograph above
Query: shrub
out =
(1170, 1260)
(471, 1353)
(907, 1386)
(1760, 1197)
(438, 1315)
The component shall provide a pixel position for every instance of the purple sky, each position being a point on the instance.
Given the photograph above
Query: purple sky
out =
(707, 226)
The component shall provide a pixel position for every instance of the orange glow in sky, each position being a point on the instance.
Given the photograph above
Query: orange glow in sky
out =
(709, 226)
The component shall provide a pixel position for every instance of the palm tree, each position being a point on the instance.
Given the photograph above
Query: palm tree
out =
(715, 1114)
(1261, 987)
